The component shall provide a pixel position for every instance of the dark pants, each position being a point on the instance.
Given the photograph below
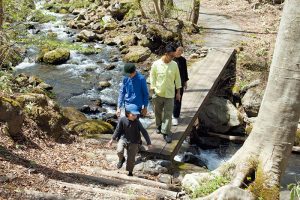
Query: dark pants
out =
(177, 104)
(132, 150)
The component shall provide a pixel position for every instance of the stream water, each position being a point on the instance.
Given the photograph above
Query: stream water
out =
(75, 84)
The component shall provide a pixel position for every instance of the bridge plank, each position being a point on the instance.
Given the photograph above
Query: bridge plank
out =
(204, 76)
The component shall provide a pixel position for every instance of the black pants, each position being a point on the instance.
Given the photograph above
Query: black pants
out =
(177, 104)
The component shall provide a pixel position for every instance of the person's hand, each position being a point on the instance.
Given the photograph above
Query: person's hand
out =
(185, 85)
(144, 112)
(149, 146)
(178, 96)
(109, 144)
(118, 112)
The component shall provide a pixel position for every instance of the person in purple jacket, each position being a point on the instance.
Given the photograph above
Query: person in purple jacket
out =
(133, 90)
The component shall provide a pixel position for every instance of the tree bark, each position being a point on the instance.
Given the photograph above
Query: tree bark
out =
(270, 143)
(162, 6)
(1, 14)
(196, 10)
(158, 12)
(141, 8)
(170, 3)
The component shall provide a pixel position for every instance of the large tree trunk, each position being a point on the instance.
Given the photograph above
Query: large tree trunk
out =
(158, 12)
(141, 8)
(196, 10)
(267, 149)
(1, 14)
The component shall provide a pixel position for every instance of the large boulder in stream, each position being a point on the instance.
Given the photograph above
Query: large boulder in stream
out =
(86, 36)
(219, 115)
(137, 54)
(73, 114)
(57, 56)
(252, 100)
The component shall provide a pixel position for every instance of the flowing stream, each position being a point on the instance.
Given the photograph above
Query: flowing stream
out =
(75, 84)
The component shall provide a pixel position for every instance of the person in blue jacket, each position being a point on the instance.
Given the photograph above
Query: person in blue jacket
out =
(133, 90)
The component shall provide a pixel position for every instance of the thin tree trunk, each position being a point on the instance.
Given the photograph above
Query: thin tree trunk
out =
(170, 3)
(1, 14)
(270, 143)
(162, 6)
(196, 10)
(141, 8)
(158, 11)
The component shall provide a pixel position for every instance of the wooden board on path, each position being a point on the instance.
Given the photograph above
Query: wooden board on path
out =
(204, 76)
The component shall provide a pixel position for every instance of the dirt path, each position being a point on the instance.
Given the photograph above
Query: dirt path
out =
(219, 30)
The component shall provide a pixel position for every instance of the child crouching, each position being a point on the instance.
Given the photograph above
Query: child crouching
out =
(128, 135)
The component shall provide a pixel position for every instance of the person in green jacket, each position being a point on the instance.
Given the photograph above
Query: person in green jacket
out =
(164, 76)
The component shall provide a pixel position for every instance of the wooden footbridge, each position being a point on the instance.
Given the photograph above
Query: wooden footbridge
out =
(204, 76)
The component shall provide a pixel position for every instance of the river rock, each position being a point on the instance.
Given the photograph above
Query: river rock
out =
(86, 36)
(194, 56)
(77, 11)
(11, 113)
(252, 101)
(119, 10)
(137, 54)
(110, 67)
(73, 114)
(103, 84)
(219, 115)
(34, 80)
(45, 86)
(91, 127)
(165, 178)
(193, 159)
(57, 56)
(109, 23)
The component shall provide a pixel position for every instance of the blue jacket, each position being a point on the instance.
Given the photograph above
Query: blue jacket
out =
(134, 91)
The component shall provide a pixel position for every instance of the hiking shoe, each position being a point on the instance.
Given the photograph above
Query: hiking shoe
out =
(130, 174)
(158, 130)
(175, 121)
(120, 163)
(167, 138)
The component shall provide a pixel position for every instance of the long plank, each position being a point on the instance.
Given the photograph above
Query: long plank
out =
(204, 76)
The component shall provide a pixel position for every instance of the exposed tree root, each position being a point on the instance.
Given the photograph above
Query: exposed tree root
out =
(229, 192)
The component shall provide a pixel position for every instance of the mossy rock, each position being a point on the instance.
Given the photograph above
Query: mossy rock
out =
(63, 11)
(11, 112)
(10, 56)
(52, 34)
(73, 114)
(90, 127)
(33, 98)
(39, 16)
(137, 54)
(57, 56)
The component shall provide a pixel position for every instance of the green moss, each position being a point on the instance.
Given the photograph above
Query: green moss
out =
(248, 129)
(209, 186)
(39, 16)
(261, 189)
(48, 43)
(91, 127)
(13, 102)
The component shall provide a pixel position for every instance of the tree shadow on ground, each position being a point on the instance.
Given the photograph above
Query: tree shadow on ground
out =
(13, 158)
